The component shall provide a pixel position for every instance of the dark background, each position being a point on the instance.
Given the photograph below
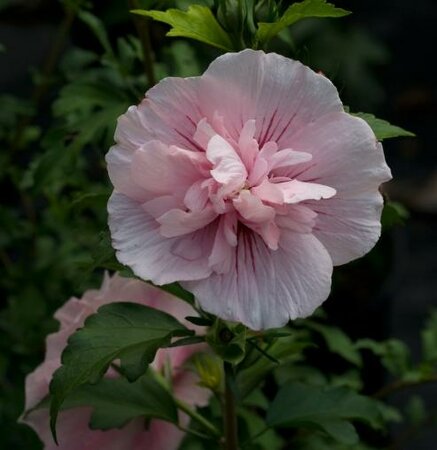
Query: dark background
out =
(382, 60)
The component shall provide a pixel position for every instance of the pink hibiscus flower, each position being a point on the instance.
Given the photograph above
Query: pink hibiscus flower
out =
(247, 184)
(73, 431)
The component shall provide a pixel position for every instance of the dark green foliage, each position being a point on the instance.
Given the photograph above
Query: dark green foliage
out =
(325, 409)
(54, 243)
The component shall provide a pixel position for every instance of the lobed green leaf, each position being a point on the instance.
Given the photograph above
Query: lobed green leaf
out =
(196, 23)
(295, 13)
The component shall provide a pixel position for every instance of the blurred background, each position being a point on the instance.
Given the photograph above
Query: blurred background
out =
(65, 78)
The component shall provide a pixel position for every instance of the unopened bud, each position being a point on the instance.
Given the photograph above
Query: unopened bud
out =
(210, 370)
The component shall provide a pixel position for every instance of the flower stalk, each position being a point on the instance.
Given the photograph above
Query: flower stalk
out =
(197, 417)
(229, 410)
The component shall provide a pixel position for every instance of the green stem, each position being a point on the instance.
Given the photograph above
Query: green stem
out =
(400, 385)
(142, 26)
(197, 417)
(229, 410)
(194, 433)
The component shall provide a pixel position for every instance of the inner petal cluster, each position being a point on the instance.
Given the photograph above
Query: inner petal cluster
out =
(237, 183)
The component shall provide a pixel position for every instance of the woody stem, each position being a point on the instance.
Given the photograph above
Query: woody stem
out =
(229, 410)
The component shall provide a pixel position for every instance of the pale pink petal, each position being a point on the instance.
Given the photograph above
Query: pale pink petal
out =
(139, 244)
(347, 157)
(296, 191)
(267, 288)
(177, 222)
(197, 196)
(72, 313)
(221, 257)
(228, 170)
(248, 146)
(204, 132)
(119, 161)
(270, 233)
(288, 157)
(37, 382)
(280, 94)
(268, 150)
(252, 208)
(230, 227)
(268, 192)
(259, 170)
(160, 436)
(349, 227)
(186, 388)
(258, 217)
(160, 205)
(163, 170)
(171, 112)
(298, 218)
(56, 342)
(132, 129)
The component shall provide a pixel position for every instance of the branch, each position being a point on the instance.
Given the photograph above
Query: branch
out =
(400, 385)
(142, 27)
(229, 412)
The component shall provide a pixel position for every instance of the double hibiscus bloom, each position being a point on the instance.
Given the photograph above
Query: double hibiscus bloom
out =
(247, 185)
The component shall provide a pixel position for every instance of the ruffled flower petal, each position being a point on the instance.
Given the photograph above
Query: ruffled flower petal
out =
(280, 94)
(267, 288)
(136, 237)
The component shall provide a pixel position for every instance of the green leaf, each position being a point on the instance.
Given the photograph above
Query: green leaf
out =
(394, 213)
(116, 401)
(196, 23)
(324, 409)
(429, 339)
(337, 342)
(250, 426)
(284, 350)
(395, 355)
(129, 332)
(103, 256)
(296, 12)
(98, 28)
(381, 128)
(318, 441)
(415, 410)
